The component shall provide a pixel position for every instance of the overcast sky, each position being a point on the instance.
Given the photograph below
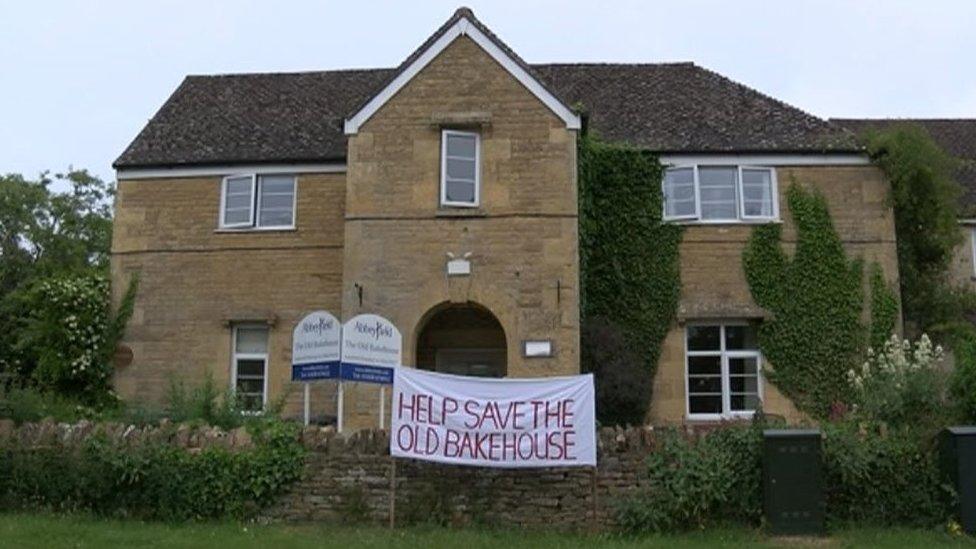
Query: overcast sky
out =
(78, 80)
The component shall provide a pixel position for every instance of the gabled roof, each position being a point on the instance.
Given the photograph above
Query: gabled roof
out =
(957, 136)
(299, 117)
(462, 23)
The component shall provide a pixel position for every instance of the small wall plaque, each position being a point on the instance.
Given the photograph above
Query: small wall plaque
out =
(537, 348)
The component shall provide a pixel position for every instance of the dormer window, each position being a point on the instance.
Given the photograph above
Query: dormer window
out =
(258, 202)
(460, 169)
(720, 194)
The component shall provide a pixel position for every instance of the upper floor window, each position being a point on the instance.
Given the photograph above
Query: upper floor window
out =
(258, 201)
(720, 194)
(460, 168)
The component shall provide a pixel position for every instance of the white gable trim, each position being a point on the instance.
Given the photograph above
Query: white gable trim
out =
(462, 28)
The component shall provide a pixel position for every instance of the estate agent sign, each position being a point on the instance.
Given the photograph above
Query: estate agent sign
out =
(371, 349)
(545, 422)
(315, 347)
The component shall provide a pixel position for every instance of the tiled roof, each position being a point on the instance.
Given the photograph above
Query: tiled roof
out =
(298, 117)
(957, 136)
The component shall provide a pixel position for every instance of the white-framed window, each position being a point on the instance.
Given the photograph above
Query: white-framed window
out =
(258, 202)
(249, 366)
(722, 370)
(972, 241)
(460, 168)
(720, 194)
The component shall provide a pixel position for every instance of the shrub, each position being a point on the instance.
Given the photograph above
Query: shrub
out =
(30, 404)
(153, 480)
(623, 388)
(925, 200)
(902, 383)
(208, 404)
(871, 476)
(693, 482)
(67, 337)
(963, 381)
(883, 478)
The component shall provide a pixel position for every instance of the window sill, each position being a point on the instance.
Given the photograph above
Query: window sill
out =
(723, 222)
(460, 211)
(717, 418)
(230, 230)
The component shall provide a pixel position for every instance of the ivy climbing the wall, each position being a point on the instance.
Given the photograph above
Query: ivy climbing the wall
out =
(629, 275)
(816, 298)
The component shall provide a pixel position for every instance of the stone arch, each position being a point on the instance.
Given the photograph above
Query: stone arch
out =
(461, 338)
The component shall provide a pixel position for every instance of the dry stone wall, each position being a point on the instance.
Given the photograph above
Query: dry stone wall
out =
(348, 479)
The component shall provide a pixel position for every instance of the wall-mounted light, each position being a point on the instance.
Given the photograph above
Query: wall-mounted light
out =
(537, 348)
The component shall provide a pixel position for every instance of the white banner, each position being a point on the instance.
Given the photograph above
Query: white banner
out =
(542, 422)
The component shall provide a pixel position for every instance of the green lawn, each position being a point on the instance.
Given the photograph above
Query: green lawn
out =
(47, 531)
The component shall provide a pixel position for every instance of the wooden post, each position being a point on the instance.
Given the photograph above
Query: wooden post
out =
(593, 491)
(392, 492)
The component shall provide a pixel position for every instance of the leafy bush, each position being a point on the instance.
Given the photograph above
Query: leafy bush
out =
(623, 388)
(902, 384)
(693, 482)
(204, 403)
(69, 334)
(871, 476)
(883, 478)
(29, 404)
(153, 480)
(208, 404)
(925, 200)
(962, 384)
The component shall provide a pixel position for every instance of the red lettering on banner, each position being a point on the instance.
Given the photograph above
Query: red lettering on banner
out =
(552, 414)
(452, 439)
(536, 406)
(516, 414)
(471, 408)
(567, 444)
(448, 406)
(410, 407)
(506, 447)
(567, 419)
(405, 429)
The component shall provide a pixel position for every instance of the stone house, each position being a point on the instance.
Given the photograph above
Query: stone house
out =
(250, 200)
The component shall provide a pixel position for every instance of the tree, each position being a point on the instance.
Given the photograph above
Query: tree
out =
(46, 233)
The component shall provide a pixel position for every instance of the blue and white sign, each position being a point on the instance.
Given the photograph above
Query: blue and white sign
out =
(316, 347)
(371, 347)
(366, 374)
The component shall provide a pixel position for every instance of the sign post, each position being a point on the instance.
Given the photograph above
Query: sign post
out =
(315, 351)
(371, 348)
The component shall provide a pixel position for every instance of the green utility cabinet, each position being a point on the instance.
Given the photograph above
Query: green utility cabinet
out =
(958, 456)
(793, 490)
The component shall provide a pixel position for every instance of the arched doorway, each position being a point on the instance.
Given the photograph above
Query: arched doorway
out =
(463, 339)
